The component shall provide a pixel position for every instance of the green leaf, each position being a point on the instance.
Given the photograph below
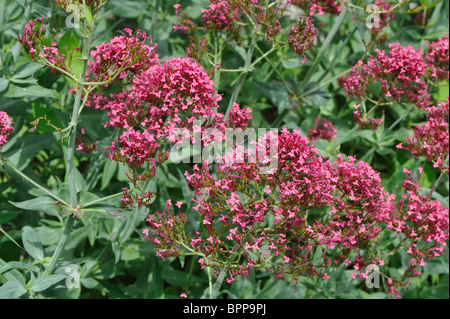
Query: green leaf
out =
(213, 293)
(109, 170)
(43, 283)
(26, 147)
(12, 290)
(30, 91)
(26, 70)
(76, 237)
(68, 45)
(276, 92)
(128, 9)
(7, 215)
(440, 291)
(32, 243)
(3, 84)
(317, 98)
(43, 204)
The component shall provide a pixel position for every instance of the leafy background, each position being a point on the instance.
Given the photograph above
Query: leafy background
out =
(113, 260)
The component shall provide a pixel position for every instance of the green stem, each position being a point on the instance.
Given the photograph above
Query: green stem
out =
(102, 199)
(217, 63)
(391, 127)
(208, 269)
(437, 182)
(70, 158)
(75, 114)
(62, 242)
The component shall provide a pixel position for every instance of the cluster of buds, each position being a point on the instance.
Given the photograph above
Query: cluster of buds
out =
(35, 44)
(227, 16)
(323, 129)
(432, 138)
(302, 36)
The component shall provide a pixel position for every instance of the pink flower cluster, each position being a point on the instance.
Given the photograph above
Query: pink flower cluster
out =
(277, 221)
(31, 36)
(302, 36)
(400, 73)
(323, 129)
(220, 15)
(239, 118)
(432, 138)
(318, 6)
(223, 15)
(32, 40)
(422, 224)
(122, 56)
(5, 128)
(160, 104)
(437, 57)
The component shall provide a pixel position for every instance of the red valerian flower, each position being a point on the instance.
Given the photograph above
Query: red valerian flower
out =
(437, 57)
(432, 138)
(302, 36)
(125, 55)
(323, 129)
(318, 6)
(400, 73)
(5, 128)
(309, 203)
(221, 15)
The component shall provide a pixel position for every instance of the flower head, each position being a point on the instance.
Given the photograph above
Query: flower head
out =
(323, 129)
(399, 72)
(5, 128)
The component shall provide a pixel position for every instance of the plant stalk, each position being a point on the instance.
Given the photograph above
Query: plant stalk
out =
(70, 158)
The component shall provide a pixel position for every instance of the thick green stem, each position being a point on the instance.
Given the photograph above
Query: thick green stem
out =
(437, 182)
(70, 158)
(62, 242)
(75, 114)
